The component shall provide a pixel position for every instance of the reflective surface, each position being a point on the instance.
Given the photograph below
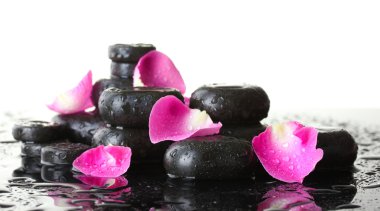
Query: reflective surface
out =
(27, 185)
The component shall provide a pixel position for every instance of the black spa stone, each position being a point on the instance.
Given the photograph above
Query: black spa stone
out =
(246, 132)
(37, 131)
(128, 52)
(131, 108)
(122, 70)
(232, 105)
(80, 126)
(31, 149)
(62, 153)
(209, 157)
(339, 148)
(104, 84)
(135, 138)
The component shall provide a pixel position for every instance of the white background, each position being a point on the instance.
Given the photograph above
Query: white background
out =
(305, 54)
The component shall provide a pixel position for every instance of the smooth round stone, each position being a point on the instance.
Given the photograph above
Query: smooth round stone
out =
(339, 148)
(80, 126)
(135, 138)
(232, 105)
(209, 157)
(246, 132)
(122, 70)
(129, 52)
(30, 149)
(62, 153)
(132, 107)
(103, 84)
(37, 131)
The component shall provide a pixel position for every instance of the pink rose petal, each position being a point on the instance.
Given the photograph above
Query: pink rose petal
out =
(75, 100)
(288, 197)
(288, 151)
(103, 182)
(157, 70)
(104, 161)
(187, 100)
(171, 119)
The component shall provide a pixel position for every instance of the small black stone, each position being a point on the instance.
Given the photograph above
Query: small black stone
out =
(103, 84)
(31, 149)
(80, 126)
(232, 105)
(246, 132)
(131, 108)
(129, 52)
(210, 157)
(122, 70)
(37, 131)
(135, 138)
(339, 148)
(62, 153)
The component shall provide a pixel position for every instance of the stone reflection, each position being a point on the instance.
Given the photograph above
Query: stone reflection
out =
(291, 197)
(206, 195)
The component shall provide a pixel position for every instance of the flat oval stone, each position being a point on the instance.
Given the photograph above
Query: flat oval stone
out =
(246, 132)
(135, 138)
(232, 105)
(210, 157)
(80, 126)
(132, 107)
(62, 153)
(339, 148)
(37, 131)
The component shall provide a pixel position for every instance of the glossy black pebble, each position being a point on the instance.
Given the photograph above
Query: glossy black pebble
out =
(128, 52)
(122, 70)
(246, 132)
(339, 148)
(30, 149)
(62, 153)
(131, 108)
(37, 131)
(103, 84)
(236, 105)
(80, 126)
(135, 138)
(209, 157)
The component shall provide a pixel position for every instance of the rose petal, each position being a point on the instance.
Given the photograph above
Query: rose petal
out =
(104, 161)
(103, 182)
(187, 101)
(157, 70)
(170, 119)
(75, 100)
(285, 197)
(288, 151)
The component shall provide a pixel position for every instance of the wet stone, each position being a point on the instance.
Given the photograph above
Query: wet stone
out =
(246, 132)
(131, 108)
(135, 138)
(62, 153)
(210, 157)
(232, 105)
(37, 131)
(339, 148)
(80, 126)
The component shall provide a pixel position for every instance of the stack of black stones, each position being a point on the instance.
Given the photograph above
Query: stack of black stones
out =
(122, 114)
